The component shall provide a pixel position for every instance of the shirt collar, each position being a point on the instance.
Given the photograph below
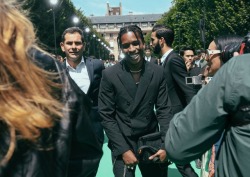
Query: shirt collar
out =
(68, 66)
(163, 58)
(148, 58)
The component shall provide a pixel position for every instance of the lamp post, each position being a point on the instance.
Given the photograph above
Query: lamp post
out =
(53, 3)
(75, 20)
(87, 30)
(94, 44)
(99, 46)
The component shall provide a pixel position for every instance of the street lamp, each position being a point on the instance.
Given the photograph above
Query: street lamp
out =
(53, 3)
(75, 20)
(87, 30)
(94, 44)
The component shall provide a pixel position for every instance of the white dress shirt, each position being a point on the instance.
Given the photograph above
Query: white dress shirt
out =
(148, 58)
(163, 58)
(80, 75)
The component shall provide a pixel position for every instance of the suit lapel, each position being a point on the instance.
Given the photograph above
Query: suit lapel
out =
(90, 68)
(145, 80)
(127, 81)
(167, 58)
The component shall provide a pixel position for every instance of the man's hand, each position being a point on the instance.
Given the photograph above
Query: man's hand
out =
(129, 158)
(161, 154)
(188, 65)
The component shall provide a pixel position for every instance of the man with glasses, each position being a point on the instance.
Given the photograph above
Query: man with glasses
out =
(175, 72)
(129, 91)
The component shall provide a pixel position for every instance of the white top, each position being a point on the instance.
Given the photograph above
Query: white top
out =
(80, 75)
(163, 58)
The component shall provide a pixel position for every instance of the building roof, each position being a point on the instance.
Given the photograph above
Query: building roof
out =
(124, 18)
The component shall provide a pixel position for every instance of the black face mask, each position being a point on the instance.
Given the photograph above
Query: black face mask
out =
(157, 48)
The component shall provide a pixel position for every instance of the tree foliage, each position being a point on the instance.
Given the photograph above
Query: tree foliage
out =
(41, 14)
(186, 17)
(221, 17)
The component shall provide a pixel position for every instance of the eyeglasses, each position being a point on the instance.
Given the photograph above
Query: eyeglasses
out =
(127, 45)
(212, 52)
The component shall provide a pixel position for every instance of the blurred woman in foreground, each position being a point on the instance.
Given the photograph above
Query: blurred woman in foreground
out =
(34, 122)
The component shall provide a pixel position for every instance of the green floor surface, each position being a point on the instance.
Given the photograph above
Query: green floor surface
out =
(105, 168)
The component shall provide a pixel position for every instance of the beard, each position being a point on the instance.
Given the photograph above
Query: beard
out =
(157, 48)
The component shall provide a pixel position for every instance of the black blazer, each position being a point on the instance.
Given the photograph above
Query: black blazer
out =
(152, 60)
(94, 67)
(179, 92)
(128, 111)
(87, 140)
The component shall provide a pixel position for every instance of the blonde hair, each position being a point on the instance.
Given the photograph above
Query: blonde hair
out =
(27, 98)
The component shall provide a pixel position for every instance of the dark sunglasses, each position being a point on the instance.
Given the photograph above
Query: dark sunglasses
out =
(127, 45)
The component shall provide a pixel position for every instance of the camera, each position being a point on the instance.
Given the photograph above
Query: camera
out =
(195, 80)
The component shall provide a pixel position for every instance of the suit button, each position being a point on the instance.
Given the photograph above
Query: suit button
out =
(128, 103)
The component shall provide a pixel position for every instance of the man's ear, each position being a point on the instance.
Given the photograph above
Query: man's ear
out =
(62, 46)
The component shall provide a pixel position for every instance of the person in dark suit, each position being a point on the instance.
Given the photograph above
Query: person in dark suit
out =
(85, 74)
(128, 93)
(175, 72)
(148, 55)
(188, 53)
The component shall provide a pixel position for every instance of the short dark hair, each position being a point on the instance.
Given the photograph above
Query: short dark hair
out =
(72, 30)
(147, 47)
(133, 28)
(183, 49)
(166, 32)
(228, 44)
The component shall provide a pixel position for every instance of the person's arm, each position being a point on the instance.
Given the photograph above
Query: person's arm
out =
(179, 73)
(107, 110)
(201, 123)
(164, 115)
(163, 107)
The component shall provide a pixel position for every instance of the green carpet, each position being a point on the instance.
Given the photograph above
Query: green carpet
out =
(105, 168)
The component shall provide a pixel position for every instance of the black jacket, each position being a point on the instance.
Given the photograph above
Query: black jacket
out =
(179, 92)
(49, 157)
(128, 111)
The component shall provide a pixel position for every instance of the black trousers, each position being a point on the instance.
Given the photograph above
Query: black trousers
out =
(186, 170)
(147, 170)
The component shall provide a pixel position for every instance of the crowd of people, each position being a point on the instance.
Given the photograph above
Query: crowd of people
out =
(55, 110)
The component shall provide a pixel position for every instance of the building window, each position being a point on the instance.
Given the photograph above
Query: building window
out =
(111, 44)
(111, 26)
(102, 26)
(94, 26)
(144, 24)
(119, 25)
(111, 35)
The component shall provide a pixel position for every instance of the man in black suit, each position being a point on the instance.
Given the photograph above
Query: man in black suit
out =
(187, 53)
(128, 93)
(148, 55)
(175, 72)
(85, 74)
